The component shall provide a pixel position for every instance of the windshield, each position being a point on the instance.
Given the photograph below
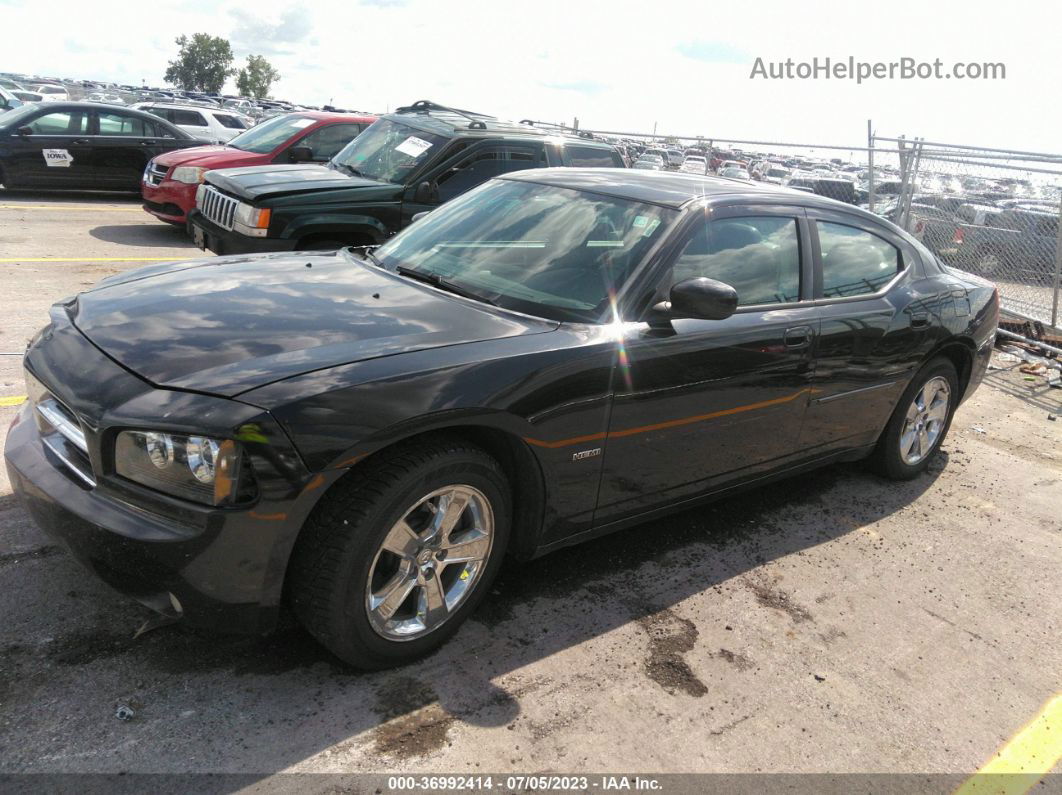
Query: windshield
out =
(268, 135)
(538, 249)
(388, 151)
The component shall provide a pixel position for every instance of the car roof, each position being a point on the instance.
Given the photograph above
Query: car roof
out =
(58, 107)
(453, 123)
(674, 188)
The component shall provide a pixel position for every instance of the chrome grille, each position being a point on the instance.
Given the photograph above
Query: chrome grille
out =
(216, 206)
(62, 433)
(155, 173)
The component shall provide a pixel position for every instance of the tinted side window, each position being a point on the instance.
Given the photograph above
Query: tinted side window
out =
(854, 262)
(591, 157)
(757, 256)
(474, 169)
(231, 122)
(66, 123)
(120, 124)
(189, 118)
(327, 141)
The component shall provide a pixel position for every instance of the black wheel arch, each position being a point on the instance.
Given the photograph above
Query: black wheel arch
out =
(521, 467)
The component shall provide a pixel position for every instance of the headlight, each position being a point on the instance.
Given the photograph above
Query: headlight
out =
(190, 175)
(252, 216)
(250, 220)
(195, 468)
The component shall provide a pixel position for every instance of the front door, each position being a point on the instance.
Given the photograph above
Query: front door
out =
(714, 401)
(466, 170)
(56, 154)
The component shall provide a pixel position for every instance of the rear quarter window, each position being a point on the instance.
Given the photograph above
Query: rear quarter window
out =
(592, 157)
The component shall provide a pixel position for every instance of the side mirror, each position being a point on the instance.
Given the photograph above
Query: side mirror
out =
(422, 195)
(25, 131)
(300, 154)
(417, 216)
(700, 298)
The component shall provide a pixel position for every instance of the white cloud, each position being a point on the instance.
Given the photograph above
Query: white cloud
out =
(620, 66)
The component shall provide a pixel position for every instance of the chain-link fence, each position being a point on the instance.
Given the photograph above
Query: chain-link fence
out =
(994, 213)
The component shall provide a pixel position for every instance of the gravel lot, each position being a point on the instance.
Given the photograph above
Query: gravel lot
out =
(835, 622)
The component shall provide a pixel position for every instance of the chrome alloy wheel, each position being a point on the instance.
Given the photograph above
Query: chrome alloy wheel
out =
(925, 420)
(429, 562)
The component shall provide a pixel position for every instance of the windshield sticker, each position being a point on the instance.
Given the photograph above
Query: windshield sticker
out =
(57, 158)
(641, 220)
(298, 124)
(413, 146)
(651, 228)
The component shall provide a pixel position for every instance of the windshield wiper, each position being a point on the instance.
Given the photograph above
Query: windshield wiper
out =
(435, 280)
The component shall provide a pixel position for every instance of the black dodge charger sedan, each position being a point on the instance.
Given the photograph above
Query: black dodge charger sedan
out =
(364, 434)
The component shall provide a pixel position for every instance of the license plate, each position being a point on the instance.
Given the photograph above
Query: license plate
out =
(199, 237)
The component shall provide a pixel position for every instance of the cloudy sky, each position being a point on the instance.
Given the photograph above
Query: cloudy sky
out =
(684, 66)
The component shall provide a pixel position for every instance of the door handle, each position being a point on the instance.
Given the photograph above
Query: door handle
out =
(798, 337)
(80, 141)
(146, 143)
(920, 320)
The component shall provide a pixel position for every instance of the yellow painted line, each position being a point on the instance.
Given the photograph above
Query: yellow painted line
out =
(91, 259)
(74, 208)
(1026, 758)
(15, 400)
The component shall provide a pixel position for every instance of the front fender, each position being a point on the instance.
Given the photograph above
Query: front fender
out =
(342, 226)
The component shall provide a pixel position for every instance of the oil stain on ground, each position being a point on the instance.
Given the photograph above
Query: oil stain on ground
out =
(770, 596)
(414, 722)
(670, 637)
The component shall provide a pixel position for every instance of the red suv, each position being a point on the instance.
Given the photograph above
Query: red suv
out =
(171, 180)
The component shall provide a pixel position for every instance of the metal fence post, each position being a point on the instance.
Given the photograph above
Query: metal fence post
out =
(1058, 268)
(870, 167)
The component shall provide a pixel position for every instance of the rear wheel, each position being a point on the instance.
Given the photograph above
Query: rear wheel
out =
(389, 566)
(919, 423)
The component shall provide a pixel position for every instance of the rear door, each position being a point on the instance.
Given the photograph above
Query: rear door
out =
(123, 143)
(875, 326)
(56, 154)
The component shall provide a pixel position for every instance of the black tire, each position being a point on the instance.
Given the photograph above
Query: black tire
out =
(887, 459)
(333, 558)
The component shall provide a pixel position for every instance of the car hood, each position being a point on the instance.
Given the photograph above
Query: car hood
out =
(211, 157)
(262, 181)
(227, 325)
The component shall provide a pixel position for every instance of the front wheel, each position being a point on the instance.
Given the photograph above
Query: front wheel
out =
(919, 423)
(390, 565)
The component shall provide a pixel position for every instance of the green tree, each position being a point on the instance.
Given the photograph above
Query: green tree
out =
(203, 63)
(256, 78)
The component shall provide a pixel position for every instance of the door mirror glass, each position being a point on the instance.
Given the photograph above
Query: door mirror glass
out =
(703, 298)
(301, 154)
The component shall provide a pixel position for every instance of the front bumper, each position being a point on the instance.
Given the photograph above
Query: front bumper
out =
(224, 241)
(168, 201)
(221, 568)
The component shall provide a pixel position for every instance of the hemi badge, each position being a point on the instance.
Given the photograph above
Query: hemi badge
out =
(586, 454)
